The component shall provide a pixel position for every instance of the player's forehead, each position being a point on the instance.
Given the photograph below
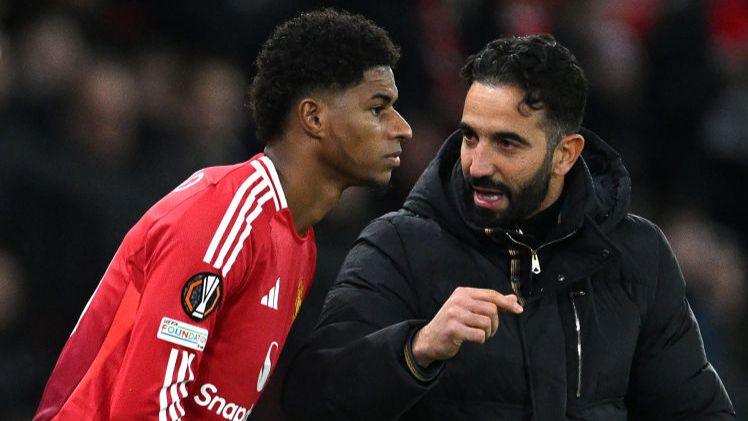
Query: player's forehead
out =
(377, 81)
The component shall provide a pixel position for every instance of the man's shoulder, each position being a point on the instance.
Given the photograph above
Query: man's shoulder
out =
(402, 224)
(642, 245)
(208, 184)
(220, 197)
(637, 230)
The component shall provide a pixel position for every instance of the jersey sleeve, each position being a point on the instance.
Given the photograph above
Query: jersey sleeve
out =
(191, 267)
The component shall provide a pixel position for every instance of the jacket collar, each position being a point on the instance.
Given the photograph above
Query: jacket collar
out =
(596, 199)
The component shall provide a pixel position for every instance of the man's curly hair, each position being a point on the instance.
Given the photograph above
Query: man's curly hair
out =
(325, 49)
(546, 70)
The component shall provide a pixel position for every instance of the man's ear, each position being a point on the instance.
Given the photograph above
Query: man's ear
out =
(311, 114)
(566, 153)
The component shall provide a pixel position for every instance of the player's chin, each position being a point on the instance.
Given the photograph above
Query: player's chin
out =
(379, 180)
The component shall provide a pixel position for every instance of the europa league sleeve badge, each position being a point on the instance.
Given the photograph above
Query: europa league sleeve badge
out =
(202, 295)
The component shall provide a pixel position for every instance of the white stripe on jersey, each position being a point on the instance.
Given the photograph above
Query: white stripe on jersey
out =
(174, 389)
(228, 215)
(247, 229)
(260, 169)
(183, 385)
(163, 403)
(187, 358)
(180, 380)
(276, 181)
(264, 182)
(262, 185)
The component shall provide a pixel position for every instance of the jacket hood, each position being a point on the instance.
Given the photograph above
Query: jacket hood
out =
(597, 188)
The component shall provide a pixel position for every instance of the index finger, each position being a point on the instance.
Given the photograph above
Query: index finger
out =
(503, 302)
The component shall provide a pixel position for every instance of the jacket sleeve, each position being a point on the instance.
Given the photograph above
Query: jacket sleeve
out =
(670, 376)
(353, 367)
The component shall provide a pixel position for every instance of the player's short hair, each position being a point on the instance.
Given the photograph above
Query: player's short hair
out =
(548, 72)
(325, 49)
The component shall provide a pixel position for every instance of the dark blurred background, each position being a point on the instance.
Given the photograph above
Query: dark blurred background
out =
(105, 106)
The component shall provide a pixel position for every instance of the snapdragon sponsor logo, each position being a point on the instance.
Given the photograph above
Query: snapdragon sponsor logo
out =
(181, 333)
(210, 400)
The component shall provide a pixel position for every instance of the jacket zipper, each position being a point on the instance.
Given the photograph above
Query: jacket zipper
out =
(578, 328)
(535, 260)
(514, 277)
(535, 268)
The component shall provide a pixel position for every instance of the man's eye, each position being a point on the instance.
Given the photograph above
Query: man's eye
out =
(506, 144)
(469, 137)
(377, 111)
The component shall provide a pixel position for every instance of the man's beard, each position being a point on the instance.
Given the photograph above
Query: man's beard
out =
(522, 202)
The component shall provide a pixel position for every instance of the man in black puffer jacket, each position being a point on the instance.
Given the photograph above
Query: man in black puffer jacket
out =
(513, 284)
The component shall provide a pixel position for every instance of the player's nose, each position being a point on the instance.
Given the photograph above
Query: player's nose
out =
(400, 129)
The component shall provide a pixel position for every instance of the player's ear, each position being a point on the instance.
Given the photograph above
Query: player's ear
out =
(566, 153)
(310, 112)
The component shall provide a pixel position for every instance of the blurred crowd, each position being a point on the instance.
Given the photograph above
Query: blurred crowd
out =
(105, 106)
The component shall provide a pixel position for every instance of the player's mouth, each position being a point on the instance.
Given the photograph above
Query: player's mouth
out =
(393, 158)
(489, 199)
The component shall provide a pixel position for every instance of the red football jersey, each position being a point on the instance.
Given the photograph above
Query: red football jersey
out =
(193, 311)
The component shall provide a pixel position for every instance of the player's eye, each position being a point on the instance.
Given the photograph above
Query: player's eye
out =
(377, 111)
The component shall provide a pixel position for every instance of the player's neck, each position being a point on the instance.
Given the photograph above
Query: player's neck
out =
(309, 195)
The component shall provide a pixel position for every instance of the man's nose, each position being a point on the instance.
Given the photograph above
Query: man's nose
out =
(401, 129)
(481, 164)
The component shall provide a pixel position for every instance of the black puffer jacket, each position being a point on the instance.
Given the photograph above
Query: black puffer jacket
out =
(606, 333)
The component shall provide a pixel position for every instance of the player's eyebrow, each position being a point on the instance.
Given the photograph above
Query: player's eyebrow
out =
(384, 97)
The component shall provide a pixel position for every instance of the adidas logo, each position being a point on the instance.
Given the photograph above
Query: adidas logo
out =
(271, 298)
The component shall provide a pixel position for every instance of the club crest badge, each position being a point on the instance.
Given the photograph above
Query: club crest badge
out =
(202, 295)
(299, 298)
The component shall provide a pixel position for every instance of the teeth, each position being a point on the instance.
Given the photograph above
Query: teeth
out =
(488, 197)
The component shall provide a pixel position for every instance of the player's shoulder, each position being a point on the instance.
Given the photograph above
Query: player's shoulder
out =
(216, 196)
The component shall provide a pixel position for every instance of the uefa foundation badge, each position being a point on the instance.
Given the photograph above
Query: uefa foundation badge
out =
(180, 333)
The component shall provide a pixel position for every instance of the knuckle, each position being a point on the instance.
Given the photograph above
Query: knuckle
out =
(452, 328)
